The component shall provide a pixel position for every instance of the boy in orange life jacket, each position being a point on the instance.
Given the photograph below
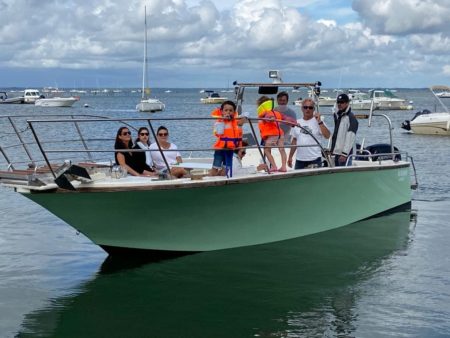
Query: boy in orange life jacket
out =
(228, 131)
(271, 132)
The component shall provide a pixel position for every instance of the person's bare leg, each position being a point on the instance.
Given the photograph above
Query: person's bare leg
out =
(270, 158)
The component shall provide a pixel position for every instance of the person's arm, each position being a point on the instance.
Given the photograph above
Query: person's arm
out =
(122, 163)
(179, 159)
(324, 130)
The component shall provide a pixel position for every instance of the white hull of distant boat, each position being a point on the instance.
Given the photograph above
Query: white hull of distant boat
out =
(442, 92)
(428, 123)
(56, 102)
(213, 100)
(431, 124)
(324, 101)
(150, 105)
(386, 100)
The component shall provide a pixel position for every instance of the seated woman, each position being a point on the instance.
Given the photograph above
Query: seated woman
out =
(143, 160)
(238, 168)
(127, 159)
(172, 157)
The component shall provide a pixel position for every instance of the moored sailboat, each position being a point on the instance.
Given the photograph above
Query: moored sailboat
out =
(147, 104)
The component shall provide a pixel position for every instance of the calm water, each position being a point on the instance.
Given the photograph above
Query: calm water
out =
(383, 277)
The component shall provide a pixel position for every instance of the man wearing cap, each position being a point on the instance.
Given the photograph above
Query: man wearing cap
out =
(344, 134)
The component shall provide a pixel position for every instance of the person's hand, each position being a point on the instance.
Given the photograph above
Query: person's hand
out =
(317, 116)
(289, 163)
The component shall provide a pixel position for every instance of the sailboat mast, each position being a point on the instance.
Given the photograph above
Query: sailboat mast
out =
(144, 70)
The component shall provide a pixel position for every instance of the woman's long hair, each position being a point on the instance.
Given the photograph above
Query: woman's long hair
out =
(119, 144)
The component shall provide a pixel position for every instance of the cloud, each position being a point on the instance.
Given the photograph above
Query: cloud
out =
(239, 39)
(402, 17)
(446, 70)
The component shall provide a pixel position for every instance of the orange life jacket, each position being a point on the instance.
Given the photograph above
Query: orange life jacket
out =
(269, 128)
(232, 133)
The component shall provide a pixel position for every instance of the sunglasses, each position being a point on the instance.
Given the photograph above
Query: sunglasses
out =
(163, 134)
(143, 134)
(308, 107)
(243, 152)
(125, 133)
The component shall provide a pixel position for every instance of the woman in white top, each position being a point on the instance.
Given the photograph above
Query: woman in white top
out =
(172, 156)
(238, 169)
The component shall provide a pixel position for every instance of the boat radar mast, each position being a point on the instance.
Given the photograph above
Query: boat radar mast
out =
(275, 75)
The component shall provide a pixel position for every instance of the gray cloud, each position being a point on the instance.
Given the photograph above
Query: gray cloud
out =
(402, 17)
(245, 39)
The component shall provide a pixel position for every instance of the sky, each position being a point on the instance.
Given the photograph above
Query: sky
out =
(210, 44)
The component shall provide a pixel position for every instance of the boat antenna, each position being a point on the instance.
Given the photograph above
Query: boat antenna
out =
(144, 70)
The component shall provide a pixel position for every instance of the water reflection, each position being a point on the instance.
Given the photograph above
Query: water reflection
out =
(303, 287)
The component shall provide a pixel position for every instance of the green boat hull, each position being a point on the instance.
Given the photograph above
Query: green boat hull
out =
(207, 217)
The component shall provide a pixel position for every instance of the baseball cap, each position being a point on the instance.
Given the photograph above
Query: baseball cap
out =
(342, 98)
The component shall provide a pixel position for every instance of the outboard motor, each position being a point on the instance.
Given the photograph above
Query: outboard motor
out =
(407, 123)
(383, 149)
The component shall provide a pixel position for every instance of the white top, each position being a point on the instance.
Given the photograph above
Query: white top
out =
(171, 156)
(304, 139)
(238, 169)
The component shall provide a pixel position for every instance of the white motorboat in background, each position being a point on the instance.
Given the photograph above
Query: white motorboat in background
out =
(31, 95)
(440, 91)
(5, 99)
(361, 101)
(147, 104)
(324, 101)
(428, 123)
(56, 101)
(386, 100)
(213, 97)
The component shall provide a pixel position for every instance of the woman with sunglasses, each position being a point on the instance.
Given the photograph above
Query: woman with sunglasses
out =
(172, 156)
(127, 159)
(143, 159)
(308, 153)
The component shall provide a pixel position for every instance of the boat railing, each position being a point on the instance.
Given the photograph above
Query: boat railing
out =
(90, 151)
(16, 138)
(49, 152)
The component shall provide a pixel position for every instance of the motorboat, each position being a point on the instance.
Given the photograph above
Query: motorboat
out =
(387, 100)
(147, 104)
(31, 95)
(56, 101)
(126, 214)
(322, 101)
(5, 99)
(441, 91)
(213, 97)
(362, 101)
(428, 123)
